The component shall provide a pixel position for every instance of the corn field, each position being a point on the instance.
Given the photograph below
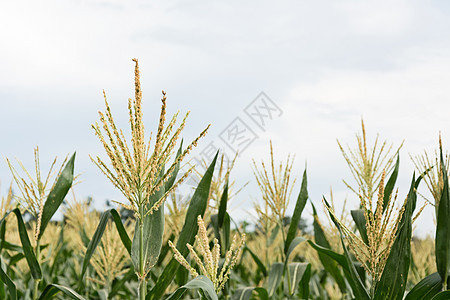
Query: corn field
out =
(153, 245)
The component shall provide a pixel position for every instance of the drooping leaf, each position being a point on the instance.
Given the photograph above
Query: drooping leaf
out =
(246, 292)
(26, 246)
(328, 264)
(258, 262)
(52, 289)
(295, 242)
(299, 206)
(243, 293)
(57, 194)
(197, 207)
(358, 287)
(199, 282)
(275, 274)
(426, 288)
(296, 272)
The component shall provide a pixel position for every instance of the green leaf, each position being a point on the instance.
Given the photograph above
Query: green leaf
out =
(153, 225)
(392, 283)
(52, 289)
(121, 230)
(196, 207)
(118, 284)
(26, 246)
(223, 205)
(96, 238)
(9, 283)
(442, 241)
(390, 184)
(328, 264)
(426, 288)
(360, 221)
(358, 287)
(303, 287)
(199, 282)
(57, 194)
(444, 295)
(246, 292)
(258, 262)
(275, 274)
(296, 272)
(262, 293)
(295, 242)
(243, 293)
(339, 258)
(299, 206)
(222, 233)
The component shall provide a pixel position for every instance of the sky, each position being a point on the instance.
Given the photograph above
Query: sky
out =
(322, 66)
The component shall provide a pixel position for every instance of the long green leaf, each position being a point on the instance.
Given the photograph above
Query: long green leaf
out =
(199, 282)
(9, 283)
(153, 234)
(392, 283)
(328, 264)
(358, 287)
(295, 242)
(121, 230)
(426, 288)
(258, 262)
(299, 206)
(223, 205)
(96, 238)
(303, 286)
(196, 207)
(26, 246)
(442, 241)
(57, 194)
(390, 184)
(52, 289)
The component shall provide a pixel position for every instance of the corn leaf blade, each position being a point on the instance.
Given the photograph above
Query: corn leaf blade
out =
(299, 206)
(442, 240)
(26, 246)
(196, 207)
(426, 289)
(57, 194)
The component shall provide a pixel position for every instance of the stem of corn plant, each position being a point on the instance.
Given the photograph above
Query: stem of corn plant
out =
(142, 285)
(36, 281)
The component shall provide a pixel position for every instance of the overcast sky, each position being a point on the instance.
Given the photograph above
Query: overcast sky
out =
(323, 64)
